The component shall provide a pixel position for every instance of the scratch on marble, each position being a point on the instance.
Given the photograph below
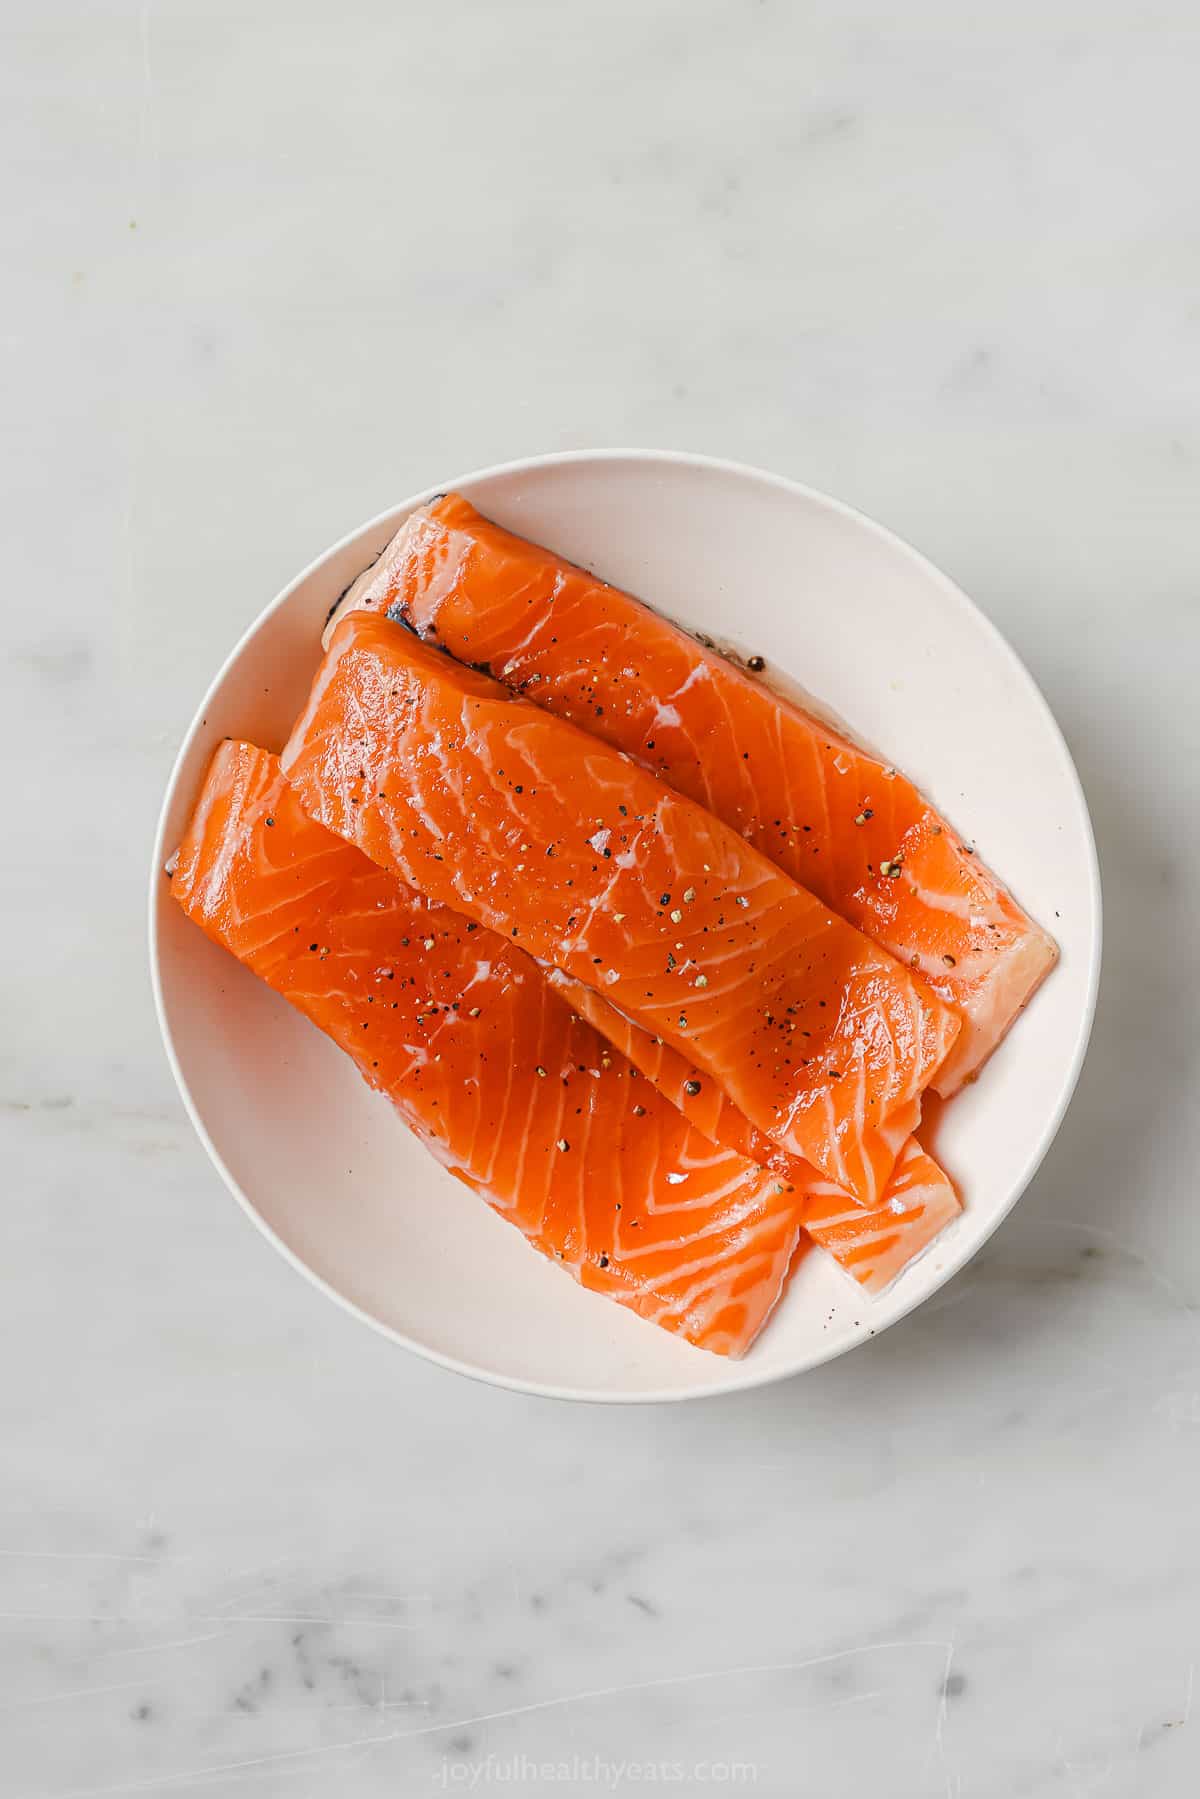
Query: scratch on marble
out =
(250, 1581)
(339, 1618)
(255, 1570)
(79, 1555)
(666, 1680)
(411, 1703)
(1185, 1716)
(210, 1636)
(186, 1775)
(120, 1686)
(229, 1618)
(937, 1749)
(386, 1595)
(253, 1581)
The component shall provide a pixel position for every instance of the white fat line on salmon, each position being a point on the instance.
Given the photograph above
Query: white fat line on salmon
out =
(703, 1204)
(700, 671)
(949, 1033)
(714, 1278)
(496, 766)
(397, 844)
(472, 1092)
(423, 735)
(306, 894)
(860, 1100)
(496, 1137)
(897, 1258)
(600, 906)
(453, 789)
(524, 1126)
(586, 1140)
(784, 763)
(252, 784)
(895, 1082)
(731, 750)
(693, 1197)
(833, 1137)
(703, 1300)
(953, 904)
(745, 1185)
(513, 652)
(303, 725)
(871, 1023)
(700, 1266)
(825, 838)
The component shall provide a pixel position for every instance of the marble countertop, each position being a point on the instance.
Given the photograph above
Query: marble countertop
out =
(269, 269)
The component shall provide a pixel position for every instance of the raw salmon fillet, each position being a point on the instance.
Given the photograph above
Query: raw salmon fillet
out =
(516, 1095)
(562, 844)
(262, 889)
(877, 1244)
(703, 1100)
(834, 817)
(872, 1243)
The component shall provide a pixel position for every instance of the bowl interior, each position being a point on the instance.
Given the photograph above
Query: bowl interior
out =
(836, 605)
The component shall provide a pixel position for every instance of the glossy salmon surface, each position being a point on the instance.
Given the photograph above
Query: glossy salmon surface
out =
(513, 1092)
(872, 1243)
(836, 818)
(567, 848)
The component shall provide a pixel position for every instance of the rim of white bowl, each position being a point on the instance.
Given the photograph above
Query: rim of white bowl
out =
(742, 1378)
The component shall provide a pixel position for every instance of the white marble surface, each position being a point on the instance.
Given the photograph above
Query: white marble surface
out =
(270, 267)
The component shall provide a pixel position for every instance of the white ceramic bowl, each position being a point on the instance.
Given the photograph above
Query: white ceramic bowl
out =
(858, 619)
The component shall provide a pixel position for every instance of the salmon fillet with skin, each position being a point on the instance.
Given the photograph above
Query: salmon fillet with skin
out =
(514, 1094)
(873, 1243)
(834, 817)
(563, 845)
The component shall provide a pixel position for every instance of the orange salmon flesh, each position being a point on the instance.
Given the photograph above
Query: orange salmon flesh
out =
(563, 846)
(512, 1090)
(837, 819)
(513, 1094)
